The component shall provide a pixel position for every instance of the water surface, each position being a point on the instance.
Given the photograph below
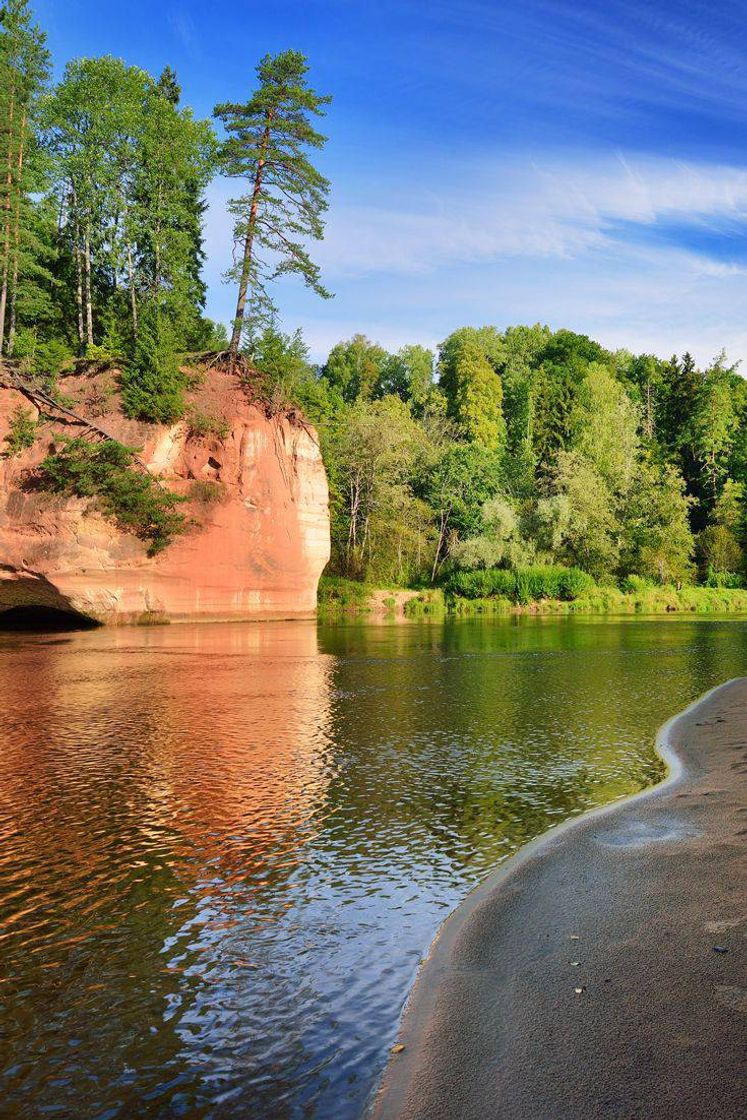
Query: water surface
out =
(224, 849)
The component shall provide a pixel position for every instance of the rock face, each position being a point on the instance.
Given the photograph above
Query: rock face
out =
(256, 552)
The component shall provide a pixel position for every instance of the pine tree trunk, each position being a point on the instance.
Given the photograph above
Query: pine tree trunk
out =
(246, 264)
(7, 220)
(89, 304)
(16, 238)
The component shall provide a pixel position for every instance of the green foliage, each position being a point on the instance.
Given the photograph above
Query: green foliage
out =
(657, 540)
(286, 196)
(356, 368)
(207, 492)
(521, 585)
(153, 384)
(379, 524)
(409, 375)
(719, 553)
(715, 578)
(24, 73)
(51, 357)
(201, 423)
(337, 594)
(427, 603)
(129, 168)
(472, 389)
(22, 431)
(129, 496)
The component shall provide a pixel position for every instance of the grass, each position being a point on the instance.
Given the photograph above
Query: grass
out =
(202, 424)
(207, 492)
(340, 596)
(337, 595)
(610, 600)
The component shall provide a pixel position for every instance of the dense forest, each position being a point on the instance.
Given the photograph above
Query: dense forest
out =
(517, 450)
(531, 447)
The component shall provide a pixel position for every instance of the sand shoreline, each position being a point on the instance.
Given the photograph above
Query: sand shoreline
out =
(627, 903)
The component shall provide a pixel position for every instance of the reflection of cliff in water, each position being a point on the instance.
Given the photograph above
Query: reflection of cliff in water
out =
(158, 791)
(224, 849)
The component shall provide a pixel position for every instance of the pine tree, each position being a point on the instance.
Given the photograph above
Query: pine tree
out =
(174, 162)
(267, 140)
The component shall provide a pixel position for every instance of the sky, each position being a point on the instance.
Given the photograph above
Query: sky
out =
(581, 164)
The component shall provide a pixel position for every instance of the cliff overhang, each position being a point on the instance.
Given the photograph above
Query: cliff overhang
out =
(254, 498)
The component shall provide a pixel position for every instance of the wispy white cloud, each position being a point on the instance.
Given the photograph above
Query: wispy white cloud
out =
(556, 240)
(540, 210)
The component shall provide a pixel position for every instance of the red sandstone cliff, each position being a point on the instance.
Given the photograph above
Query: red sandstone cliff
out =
(256, 553)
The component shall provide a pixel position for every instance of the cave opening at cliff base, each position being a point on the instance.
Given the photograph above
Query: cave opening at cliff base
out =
(43, 619)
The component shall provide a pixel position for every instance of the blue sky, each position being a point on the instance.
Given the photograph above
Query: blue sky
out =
(575, 163)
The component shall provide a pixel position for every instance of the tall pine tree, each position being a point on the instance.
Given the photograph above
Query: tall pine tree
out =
(268, 138)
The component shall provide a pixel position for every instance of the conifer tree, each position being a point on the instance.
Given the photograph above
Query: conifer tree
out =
(268, 138)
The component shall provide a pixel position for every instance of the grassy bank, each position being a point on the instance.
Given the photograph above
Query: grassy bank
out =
(340, 598)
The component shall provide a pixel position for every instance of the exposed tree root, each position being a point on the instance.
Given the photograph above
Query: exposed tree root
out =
(52, 409)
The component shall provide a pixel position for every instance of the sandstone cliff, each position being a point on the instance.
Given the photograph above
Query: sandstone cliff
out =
(256, 552)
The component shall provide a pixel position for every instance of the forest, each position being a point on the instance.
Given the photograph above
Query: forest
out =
(505, 455)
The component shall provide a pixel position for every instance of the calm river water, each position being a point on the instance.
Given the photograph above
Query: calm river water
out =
(224, 849)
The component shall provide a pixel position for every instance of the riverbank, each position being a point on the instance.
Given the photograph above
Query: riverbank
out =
(347, 597)
(601, 971)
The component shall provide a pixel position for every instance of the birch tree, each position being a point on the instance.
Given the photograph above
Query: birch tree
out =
(24, 72)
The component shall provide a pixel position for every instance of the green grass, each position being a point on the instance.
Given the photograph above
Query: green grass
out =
(428, 603)
(207, 492)
(610, 600)
(341, 596)
(337, 595)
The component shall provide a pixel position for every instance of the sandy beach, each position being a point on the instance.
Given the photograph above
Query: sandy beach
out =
(600, 972)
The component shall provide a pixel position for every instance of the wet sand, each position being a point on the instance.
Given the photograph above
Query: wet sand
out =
(643, 907)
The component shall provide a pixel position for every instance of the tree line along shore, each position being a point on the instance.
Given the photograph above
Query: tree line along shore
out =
(509, 467)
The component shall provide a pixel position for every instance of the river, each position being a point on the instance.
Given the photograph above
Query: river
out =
(224, 849)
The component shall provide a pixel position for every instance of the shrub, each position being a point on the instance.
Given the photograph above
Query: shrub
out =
(428, 602)
(153, 384)
(24, 345)
(129, 496)
(208, 492)
(338, 594)
(22, 432)
(732, 580)
(100, 354)
(633, 584)
(207, 424)
(494, 605)
(51, 357)
(521, 585)
(482, 583)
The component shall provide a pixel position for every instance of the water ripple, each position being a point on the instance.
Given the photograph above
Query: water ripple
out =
(224, 849)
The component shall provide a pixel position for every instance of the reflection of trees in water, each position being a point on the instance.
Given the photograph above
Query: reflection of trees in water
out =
(254, 838)
(472, 737)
